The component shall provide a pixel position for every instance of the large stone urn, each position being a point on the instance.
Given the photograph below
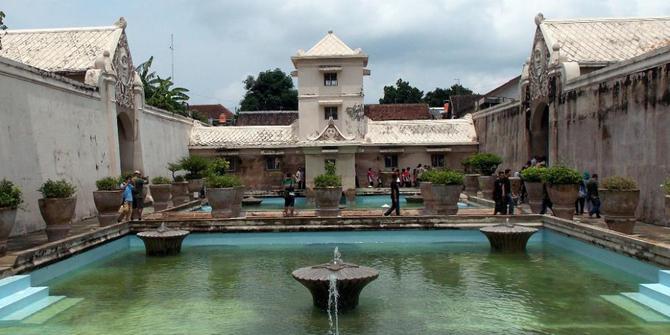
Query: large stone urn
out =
(486, 186)
(7, 220)
(535, 195)
(327, 200)
(179, 192)
(58, 214)
(428, 197)
(225, 201)
(563, 197)
(618, 207)
(236, 206)
(107, 203)
(161, 195)
(471, 182)
(195, 186)
(446, 198)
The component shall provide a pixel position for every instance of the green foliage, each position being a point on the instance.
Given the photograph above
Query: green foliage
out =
(223, 181)
(485, 163)
(401, 93)
(57, 189)
(160, 180)
(428, 175)
(159, 92)
(272, 90)
(666, 186)
(444, 177)
(108, 183)
(534, 174)
(328, 179)
(561, 175)
(10, 194)
(467, 165)
(618, 183)
(179, 179)
(218, 167)
(195, 165)
(438, 96)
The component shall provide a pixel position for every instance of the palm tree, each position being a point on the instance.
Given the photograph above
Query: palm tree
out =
(160, 92)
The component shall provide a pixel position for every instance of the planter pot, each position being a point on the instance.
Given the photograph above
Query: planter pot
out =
(7, 220)
(224, 201)
(563, 197)
(195, 186)
(58, 214)
(619, 207)
(179, 192)
(471, 182)
(428, 197)
(236, 206)
(327, 201)
(446, 198)
(107, 203)
(535, 195)
(486, 186)
(161, 195)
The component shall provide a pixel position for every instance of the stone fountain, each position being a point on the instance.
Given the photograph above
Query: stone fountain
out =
(508, 237)
(162, 241)
(349, 280)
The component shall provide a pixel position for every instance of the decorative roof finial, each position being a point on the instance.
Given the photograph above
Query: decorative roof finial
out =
(539, 18)
(330, 31)
(121, 23)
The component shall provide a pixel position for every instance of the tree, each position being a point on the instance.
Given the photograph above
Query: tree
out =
(401, 93)
(438, 96)
(2, 26)
(272, 90)
(159, 92)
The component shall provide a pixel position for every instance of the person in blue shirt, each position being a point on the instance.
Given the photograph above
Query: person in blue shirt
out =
(126, 208)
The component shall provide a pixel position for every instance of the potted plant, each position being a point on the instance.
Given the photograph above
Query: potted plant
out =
(10, 199)
(57, 207)
(471, 179)
(224, 192)
(485, 164)
(426, 187)
(666, 188)
(620, 197)
(160, 190)
(563, 189)
(446, 188)
(107, 200)
(179, 191)
(533, 179)
(195, 167)
(327, 192)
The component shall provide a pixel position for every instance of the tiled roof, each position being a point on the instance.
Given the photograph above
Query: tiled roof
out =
(60, 50)
(212, 111)
(242, 137)
(606, 40)
(383, 112)
(422, 132)
(266, 118)
(330, 45)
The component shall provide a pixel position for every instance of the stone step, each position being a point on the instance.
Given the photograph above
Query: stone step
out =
(46, 314)
(657, 291)
(654, 304)
(641, 311)
(664, 277)
(31, 309)
(13, 284)
(21, 299)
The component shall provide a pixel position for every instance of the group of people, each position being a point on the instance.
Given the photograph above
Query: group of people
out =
(133, 197)
(406, 177)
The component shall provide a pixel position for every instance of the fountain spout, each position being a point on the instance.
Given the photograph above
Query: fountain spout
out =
(337, 257)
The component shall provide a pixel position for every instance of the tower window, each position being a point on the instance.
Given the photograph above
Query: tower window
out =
(329, 112)
(330, 79)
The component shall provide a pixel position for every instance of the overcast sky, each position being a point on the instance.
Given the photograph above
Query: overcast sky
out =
(428, 43)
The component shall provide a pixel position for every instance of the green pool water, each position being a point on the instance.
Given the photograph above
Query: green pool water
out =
(423, 288)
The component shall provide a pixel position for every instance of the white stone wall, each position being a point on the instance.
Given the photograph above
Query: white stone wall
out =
(164, 138)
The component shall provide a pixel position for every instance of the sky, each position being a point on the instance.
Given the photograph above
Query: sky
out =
(478, 43)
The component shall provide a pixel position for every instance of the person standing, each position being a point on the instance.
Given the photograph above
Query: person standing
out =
(499, 195)
(289, 195)
(138, 195)
(507, 189)
(371, 178)
(298, 178)
(592, 195)
(380, 179)
(581, 199)
(126, 208)
(395, 196)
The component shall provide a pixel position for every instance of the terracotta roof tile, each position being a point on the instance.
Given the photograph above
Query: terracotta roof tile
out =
(383, 112)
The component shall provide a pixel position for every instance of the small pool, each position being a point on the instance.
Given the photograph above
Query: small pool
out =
(362, 202)
(430, 282)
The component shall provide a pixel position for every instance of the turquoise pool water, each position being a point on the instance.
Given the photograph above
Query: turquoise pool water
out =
(363, 202)
(431, 282)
